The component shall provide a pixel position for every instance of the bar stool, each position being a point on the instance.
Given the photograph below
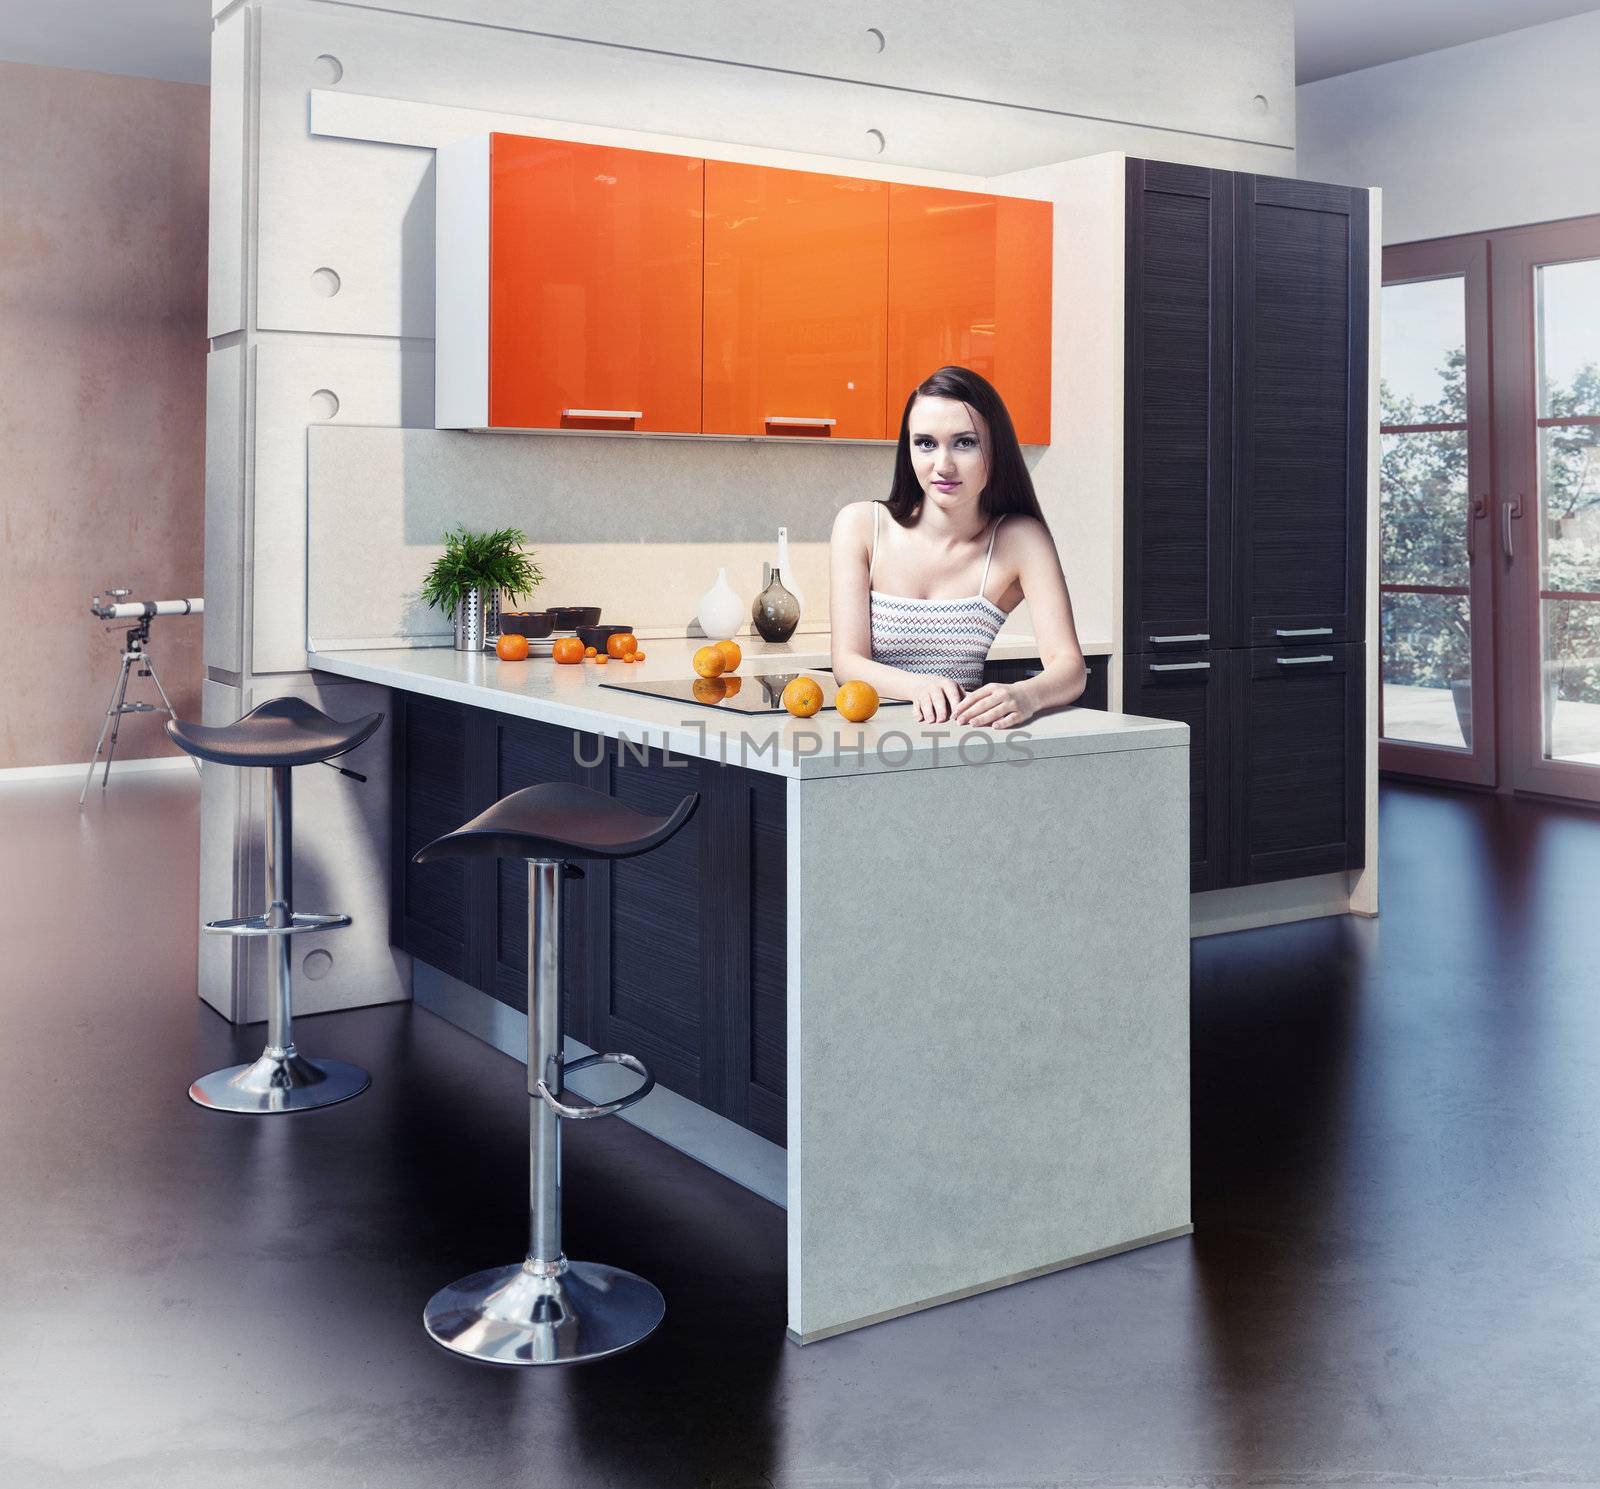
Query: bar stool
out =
(547, 1310)
(280, 734)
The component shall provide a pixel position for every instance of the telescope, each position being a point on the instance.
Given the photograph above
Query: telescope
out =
(115, 604)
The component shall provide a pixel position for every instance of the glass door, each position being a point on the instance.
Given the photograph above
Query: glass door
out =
(1437, 701)
(1547, 415)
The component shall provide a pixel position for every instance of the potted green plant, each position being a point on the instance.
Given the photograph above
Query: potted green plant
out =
(466, 579)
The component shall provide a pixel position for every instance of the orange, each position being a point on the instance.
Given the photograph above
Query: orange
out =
(567, 649)
(709, 690)
(708, 662)
(620, 643)
(732, 684)
(588, 651)
(601, 661)
(731, 655)
(511, 648)
(637, 656)
(803, 696)
(856, 701)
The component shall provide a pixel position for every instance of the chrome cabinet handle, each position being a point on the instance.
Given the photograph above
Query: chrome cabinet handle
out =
(1180, 666)
(1300, 661)
(1307, 631)
(602, 413)
(802, 423)
(1173, 640)
(1508, 511)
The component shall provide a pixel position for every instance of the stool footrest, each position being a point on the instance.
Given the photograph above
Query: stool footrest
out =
(258, 925)
(582, 1111)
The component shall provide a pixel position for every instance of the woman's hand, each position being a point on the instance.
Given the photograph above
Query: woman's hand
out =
(996, 705)
(936, 699)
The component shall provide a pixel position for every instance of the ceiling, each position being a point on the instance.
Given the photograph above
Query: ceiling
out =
(171, 38)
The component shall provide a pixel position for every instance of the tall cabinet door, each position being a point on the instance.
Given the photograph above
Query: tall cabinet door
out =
(969, 284)
(1300, 476)
(1193, 690)
(1177, 440)
(594, 287)
(1296, 751)
(795, 311)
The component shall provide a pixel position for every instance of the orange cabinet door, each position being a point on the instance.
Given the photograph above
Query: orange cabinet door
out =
(795, 309)
(594, 287)
(969, 284)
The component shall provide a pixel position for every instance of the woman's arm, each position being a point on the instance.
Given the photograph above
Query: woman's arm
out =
(850, 623)
(1003, 705)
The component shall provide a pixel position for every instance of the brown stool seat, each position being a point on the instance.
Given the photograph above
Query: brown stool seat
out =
(281, 731)
(560, 820)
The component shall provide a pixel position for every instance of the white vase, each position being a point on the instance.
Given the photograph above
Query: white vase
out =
(787, 569)
(721, 610)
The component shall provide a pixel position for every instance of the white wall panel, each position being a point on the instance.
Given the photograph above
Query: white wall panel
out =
(226, 571)
(1169, 63)
(298, 381)
(229, 142)
(1492, 134)
(365, 210)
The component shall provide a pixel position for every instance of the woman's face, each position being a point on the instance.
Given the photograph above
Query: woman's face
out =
(949, 451)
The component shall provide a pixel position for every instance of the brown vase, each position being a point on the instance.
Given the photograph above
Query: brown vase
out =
(776, 612)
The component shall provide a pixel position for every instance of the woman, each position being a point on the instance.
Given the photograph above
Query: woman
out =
(921, 583)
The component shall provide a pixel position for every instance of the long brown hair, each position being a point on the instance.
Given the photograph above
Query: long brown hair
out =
(1009, 487)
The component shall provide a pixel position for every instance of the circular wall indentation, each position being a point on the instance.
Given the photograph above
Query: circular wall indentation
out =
(875, 39)
(324, 403)
(317, 965)
(876, 139)
(326, 282)
(327, 69)
(1259, 103)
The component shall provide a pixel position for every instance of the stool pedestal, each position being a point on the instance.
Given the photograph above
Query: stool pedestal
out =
(547, 1310)
(281, 1079)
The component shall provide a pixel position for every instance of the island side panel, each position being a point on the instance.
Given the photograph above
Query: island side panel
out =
(988, 1026)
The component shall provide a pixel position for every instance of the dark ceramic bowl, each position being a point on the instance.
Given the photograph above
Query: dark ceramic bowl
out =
(595, 636)
(525, 623)
(570, 617)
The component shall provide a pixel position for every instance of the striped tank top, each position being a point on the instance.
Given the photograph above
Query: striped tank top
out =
(949, 638)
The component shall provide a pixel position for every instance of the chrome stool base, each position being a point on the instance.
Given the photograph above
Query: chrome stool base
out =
(515, 1316)
(279, 1081)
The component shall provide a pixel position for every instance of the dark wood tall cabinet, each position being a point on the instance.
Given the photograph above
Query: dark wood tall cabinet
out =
(1245, 497)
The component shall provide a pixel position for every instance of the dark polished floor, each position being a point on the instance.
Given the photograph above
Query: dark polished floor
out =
(1395, 1275)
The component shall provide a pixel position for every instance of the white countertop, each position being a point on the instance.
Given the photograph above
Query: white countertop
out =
(825, 745)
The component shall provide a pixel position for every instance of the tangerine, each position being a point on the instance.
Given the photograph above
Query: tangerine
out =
(637, 656)
(856, 701)
(601, 661)
(731, 655)
(803, 696)
(510, 648)
(708, 662)
(567, 649)
(620, 643)
(588, 651)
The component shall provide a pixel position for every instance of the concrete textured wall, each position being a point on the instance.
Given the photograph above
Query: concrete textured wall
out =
(1492, 134)
(102, 395)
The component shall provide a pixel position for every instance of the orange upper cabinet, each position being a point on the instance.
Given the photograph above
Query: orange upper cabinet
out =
(795, 312)
(568, 286)
(969, 283)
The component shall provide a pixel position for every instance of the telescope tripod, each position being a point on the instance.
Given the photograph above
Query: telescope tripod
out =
(135, 652)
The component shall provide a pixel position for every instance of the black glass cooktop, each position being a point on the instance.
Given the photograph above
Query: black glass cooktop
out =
(742, 692)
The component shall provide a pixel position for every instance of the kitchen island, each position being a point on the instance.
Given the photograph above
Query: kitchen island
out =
(931, 980)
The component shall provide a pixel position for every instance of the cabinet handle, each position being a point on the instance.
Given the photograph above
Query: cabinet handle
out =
(1180, 666)
(1300, 661)
(801, 423)
(1307, 631)
(1174, 640)
(602, 413)
(1508, 510)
